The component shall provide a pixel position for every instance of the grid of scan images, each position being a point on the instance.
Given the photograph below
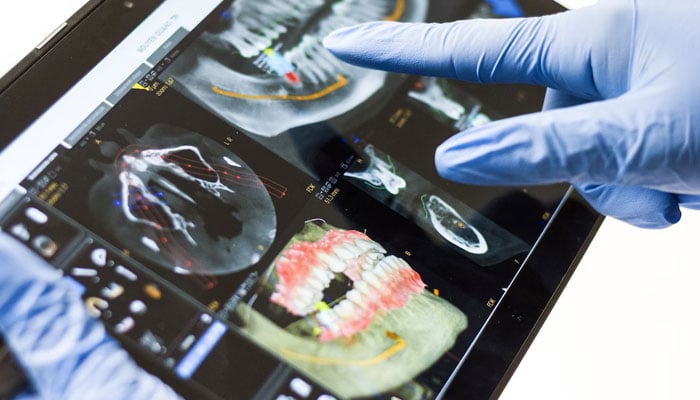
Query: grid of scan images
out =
(294, 198)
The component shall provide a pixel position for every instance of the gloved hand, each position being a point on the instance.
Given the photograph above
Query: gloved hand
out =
(66, 353)
(622, 112)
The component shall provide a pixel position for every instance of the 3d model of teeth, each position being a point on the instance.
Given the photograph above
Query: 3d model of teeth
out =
(379, 335)
(306, 268)
(453, 227)
(268, 71)
(390, 285)
(380, 283)
(379, 173)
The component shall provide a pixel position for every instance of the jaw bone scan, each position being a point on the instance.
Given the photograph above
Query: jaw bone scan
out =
(183, 202)
(265, 69)
(337, 305)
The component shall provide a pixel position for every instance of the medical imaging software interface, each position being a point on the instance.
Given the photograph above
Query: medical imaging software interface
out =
(261, 220)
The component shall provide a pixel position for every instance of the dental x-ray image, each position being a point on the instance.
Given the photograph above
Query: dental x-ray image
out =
(339, 307)
(434, 210)
(265, 70)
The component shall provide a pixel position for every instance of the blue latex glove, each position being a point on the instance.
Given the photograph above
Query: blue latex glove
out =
(66, 353)
(622, 112)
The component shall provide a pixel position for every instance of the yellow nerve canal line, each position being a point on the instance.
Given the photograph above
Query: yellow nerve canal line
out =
(398, 11)
(398, 346)
(342, 81)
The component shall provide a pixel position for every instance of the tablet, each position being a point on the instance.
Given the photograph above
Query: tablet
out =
(253, 219)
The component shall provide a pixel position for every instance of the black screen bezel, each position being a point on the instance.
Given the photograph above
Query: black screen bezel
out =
(102, 24)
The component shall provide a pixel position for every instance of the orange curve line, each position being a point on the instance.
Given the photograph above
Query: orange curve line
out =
(400, 344)
(342, 81)
(398, 11)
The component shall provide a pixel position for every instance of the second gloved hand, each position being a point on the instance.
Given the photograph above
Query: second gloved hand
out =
(621, 117)
(65, 353)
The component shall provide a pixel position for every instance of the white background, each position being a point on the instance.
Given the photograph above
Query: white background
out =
(626, 325)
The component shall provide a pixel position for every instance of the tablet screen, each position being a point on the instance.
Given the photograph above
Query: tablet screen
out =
(253, 218)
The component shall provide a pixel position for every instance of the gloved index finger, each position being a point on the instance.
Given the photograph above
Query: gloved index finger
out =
(554, 51)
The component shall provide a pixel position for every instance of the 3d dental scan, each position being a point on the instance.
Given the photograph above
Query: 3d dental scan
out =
(252, 218)
(364, 340)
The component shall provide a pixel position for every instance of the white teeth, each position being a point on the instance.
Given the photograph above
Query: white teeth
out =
(354, 250)
(355, 297)
(248, 44)
(329, 62)
(368, 245)
(401, 263)
(367, 265)
(322, 275)
(312, 71)
(386, 263)
(259, 24)
(344, 309)
(305, 299)
(363, 288)
(372, 279)
(312, 60)
(315, 284)
(318, 296)
(333, 263)
(375, 257)
(305, 295)
(327, 318)
(300, 307)
(392, 262)
(343, 252)
(364, 245)
(381, 272)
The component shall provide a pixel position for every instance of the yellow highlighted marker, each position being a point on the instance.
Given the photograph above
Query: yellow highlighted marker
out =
(398, 11)
(153, 292)
(140, 87)
(342, 81)
(398, 346)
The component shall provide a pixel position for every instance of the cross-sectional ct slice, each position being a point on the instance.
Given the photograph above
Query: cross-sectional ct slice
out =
(451, 226)
(432, 209)
(445, 101)
(263, 66)
(337, 306)
(379, 173)
(182, 201)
